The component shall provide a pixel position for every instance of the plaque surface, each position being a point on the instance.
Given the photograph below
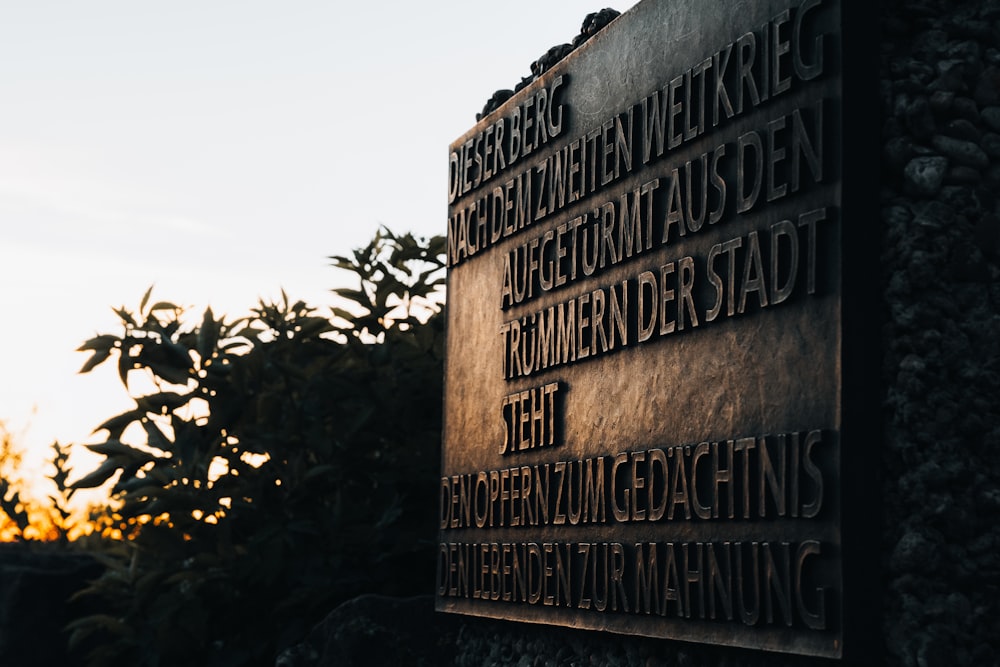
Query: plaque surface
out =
(644, 381)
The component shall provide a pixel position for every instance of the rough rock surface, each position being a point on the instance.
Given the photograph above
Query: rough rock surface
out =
(941, 340)
(592, 24)
(377, 630)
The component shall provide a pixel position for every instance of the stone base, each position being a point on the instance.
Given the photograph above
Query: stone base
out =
(380, 630)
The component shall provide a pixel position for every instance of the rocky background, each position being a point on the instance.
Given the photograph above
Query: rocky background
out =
(592, 24)
(940, 90)
(940, 276)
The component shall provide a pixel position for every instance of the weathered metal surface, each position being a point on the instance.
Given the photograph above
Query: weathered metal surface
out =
(644, 382)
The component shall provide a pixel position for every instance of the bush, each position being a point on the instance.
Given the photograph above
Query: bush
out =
(27, 512)
(283, 463)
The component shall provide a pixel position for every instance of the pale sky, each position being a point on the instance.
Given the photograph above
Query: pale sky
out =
(221, 150)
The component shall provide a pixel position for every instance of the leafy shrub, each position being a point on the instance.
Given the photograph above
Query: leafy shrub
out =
(25, 514)
(280, 464)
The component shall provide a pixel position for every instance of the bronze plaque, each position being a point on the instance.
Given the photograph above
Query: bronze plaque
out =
(643, 412)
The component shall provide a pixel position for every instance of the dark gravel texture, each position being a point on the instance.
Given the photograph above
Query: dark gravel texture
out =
(940, 87)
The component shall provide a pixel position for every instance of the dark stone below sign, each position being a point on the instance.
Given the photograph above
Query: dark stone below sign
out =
(655, 415)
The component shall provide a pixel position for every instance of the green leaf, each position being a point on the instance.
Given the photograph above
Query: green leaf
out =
(96, 359)
(125, 363)
(125, 316)
(102, 342)
(208, 335)
(103, 473)
(117, 424)
(310, 327)
(145, 299)
(113, 448)
(163, 305)
(155, 437)
(343, 314)
(162, 402)
(178, 354)
(387, 287)
(357, 296)
(138, 487)
(170, 373)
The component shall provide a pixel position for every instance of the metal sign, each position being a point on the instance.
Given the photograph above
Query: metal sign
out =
(644, 418)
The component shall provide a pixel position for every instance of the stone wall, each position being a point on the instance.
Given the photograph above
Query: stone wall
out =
(940, 90)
